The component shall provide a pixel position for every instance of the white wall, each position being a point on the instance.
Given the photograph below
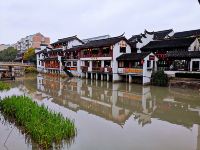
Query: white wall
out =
(116, 53)
(147, 73)
(193, 45)
(73, 43)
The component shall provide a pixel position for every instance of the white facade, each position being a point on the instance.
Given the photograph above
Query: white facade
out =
(147, 71)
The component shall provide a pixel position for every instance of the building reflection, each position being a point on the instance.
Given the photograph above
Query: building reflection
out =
(117, 102)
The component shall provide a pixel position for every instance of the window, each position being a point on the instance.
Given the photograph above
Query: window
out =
(87, 63)
(68, 63)
(148, 64)
(74, 63)
(122, 49)
(107, 63)
(122, 45)
(121, 64)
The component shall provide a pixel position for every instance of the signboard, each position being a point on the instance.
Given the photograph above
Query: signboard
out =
(151, 57)
(133, 70)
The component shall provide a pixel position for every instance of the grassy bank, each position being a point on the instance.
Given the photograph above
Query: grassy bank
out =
(4, 86)
(43, 126)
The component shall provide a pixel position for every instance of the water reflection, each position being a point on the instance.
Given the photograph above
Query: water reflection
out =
(117, 102)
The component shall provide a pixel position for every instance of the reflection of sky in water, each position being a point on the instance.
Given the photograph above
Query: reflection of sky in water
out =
(121, 116)
(13, 91)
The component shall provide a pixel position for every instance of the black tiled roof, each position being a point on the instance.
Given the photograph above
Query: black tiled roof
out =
(192, 33)
(169, 43)
(133, 56)
(183, 54)
(159, 35)
(136, 38)
(74, 48)
(103, 42)
(66, 40)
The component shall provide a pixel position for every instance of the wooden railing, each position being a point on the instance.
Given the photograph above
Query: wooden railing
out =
(84, 68)
(96, 55)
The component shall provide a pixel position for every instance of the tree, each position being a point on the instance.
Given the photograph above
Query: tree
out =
(29, 55)
(8, 54)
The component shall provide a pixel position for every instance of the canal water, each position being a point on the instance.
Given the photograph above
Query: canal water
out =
(111, 116)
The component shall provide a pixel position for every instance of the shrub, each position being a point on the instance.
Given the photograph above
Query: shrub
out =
(159, 78)
(30, 70)
(4, 86)
(43, 126)
(188, 75)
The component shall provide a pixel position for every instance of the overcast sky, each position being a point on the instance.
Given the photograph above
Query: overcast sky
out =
(89, 18)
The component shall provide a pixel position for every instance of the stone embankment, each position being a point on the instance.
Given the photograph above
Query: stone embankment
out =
(185, 83)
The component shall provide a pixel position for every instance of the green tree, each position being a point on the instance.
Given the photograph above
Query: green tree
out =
(8, 54)
(159, 78)
(29, 55)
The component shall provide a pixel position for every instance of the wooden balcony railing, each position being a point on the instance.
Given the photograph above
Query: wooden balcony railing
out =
(96, 55)
(84, 68)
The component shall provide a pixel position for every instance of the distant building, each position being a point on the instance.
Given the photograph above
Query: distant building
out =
(33, 41)
(4, 46)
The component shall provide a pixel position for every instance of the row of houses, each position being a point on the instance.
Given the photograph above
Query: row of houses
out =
(118, 58)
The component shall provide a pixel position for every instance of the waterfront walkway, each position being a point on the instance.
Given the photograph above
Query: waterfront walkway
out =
(15, 64)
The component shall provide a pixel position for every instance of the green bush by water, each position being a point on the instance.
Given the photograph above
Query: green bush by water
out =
(4, 86)
(43, 126)
(159, 78)
(30, 70)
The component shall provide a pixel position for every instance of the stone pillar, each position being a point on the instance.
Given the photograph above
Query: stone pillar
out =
(102, 63)
(129, 79)
(107, 77)
(191, 64)
(86, 75)
(91, 76)
(101, 77)
(96, 76)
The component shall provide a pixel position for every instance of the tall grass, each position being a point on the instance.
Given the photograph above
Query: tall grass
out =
(4, 86)
(44, 127)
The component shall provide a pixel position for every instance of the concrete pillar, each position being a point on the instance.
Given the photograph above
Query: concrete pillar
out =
(86, 74)
(91, 76)
(96, 76)
(102, 63)
(101, 77)
(107, 77)
(191, 64)
(90, 66)
(130, 79)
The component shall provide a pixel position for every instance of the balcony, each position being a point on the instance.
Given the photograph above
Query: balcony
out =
(71, 57)
(130, 71)
(108, 69)
(84, 68)
(96, 55)
(97, 69)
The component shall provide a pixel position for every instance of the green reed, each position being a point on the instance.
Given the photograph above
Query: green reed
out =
(4, 86)
(42, 125)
